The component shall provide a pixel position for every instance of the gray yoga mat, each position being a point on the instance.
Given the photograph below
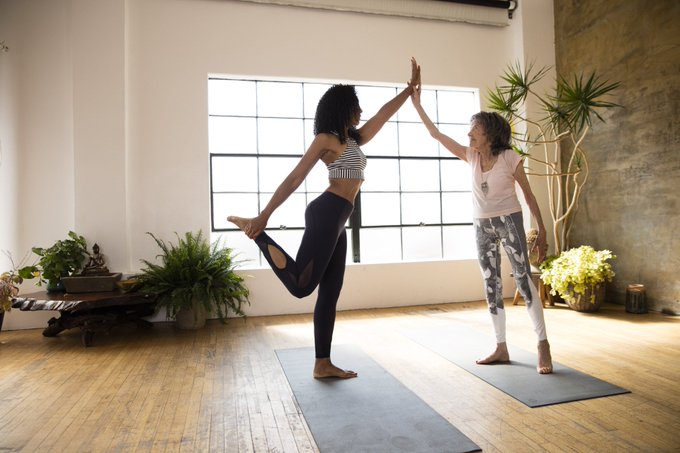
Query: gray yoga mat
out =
(371, 413)
(519, 378)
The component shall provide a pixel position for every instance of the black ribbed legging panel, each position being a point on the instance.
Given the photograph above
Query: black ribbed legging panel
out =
(320, 261)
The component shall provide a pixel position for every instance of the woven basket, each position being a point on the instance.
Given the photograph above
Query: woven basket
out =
(589, 301)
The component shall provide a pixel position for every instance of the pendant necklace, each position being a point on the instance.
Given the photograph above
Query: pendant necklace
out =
(485, 185)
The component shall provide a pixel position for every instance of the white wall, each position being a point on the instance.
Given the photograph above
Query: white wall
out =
(106, 121)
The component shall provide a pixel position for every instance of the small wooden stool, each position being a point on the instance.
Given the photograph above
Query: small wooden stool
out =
(542, 291)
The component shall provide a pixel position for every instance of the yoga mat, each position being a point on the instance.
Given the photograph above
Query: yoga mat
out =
(519, 379)
(371, 413)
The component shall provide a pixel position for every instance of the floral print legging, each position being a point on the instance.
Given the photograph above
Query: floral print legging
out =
(507, 230)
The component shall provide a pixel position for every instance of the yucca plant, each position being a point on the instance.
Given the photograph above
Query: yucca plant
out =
(193, 271)
(568, 116)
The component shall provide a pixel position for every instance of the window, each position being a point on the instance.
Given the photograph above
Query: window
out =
(414, 205)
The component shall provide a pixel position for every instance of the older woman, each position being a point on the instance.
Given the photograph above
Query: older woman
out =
(498, 220)
(320, 260)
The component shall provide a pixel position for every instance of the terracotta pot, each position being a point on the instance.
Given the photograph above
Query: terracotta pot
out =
(589, 301)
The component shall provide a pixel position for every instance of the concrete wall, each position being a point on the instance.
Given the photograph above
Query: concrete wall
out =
(632, 203)
(104, 126)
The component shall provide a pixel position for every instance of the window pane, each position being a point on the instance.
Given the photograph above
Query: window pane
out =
(231, 97)
(290, 214)
(419, 175)
(381, 175)
(456, 132)
(371, 99)
(456, 175)
(422, 243)
(246, 252)
(234, 174)
(309, 133)
(384, 143)
(420, 208)
(456, 207)
(280, 136)
(232, 135)
(380, 245)
(317, 179)
(414, 140)
(242, 205)
(456, 106)
(380, 209)
(312, 94)
(459, 242)
(273, 170)
(279, 99)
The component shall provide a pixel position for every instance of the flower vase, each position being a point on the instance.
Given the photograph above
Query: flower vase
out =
(590, 301)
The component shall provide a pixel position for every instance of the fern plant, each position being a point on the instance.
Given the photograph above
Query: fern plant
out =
(194, 271)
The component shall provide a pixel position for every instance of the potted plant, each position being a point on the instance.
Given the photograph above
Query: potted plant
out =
(62, 259)
(192, 279)
(568, 112)
(579, 276)
(9, 288)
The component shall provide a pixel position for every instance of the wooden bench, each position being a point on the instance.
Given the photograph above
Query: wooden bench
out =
(92, 312)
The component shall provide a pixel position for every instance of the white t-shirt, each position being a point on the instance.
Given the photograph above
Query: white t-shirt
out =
(500, 197)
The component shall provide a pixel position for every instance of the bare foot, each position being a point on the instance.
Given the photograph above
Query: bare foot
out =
(323, 368)
(500, 355)
(544, 358)
(242, 223)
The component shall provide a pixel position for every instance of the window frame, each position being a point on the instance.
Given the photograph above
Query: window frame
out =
(355, 225)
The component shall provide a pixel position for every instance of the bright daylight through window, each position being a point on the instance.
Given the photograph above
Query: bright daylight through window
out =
(415, 204)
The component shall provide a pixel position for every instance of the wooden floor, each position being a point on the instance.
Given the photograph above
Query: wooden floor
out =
(222, 388)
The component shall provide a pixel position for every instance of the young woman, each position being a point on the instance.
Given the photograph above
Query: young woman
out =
(498, 220)
(320, 260)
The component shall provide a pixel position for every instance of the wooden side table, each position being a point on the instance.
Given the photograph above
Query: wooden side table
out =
(92, 312)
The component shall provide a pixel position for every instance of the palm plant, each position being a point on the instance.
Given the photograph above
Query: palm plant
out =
(193, 271)
(568, 117)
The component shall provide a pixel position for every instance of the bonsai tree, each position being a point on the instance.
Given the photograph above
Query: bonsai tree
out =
(64, 258)
(568, 114)
(194, 274)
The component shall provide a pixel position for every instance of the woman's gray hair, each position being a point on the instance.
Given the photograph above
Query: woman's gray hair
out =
(497, 130)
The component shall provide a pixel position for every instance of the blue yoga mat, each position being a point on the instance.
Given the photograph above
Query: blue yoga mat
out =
(519, 378)
(371, 413)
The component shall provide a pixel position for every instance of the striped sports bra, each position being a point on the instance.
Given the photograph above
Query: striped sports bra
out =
(350, 164)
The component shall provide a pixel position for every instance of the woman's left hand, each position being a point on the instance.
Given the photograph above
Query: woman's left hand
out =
(540, 247)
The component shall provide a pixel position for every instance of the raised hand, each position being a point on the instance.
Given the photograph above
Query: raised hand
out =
(414, 83)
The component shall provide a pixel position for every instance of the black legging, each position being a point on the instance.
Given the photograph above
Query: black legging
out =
(320, 262)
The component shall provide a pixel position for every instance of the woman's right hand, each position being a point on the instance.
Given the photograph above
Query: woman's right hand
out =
(416, 83)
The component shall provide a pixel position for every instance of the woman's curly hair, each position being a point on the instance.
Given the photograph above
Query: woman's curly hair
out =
(497, 130)
(335, 110)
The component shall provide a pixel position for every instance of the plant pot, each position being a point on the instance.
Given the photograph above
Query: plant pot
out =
(55, 287)
(589, 301)
(191, 318)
